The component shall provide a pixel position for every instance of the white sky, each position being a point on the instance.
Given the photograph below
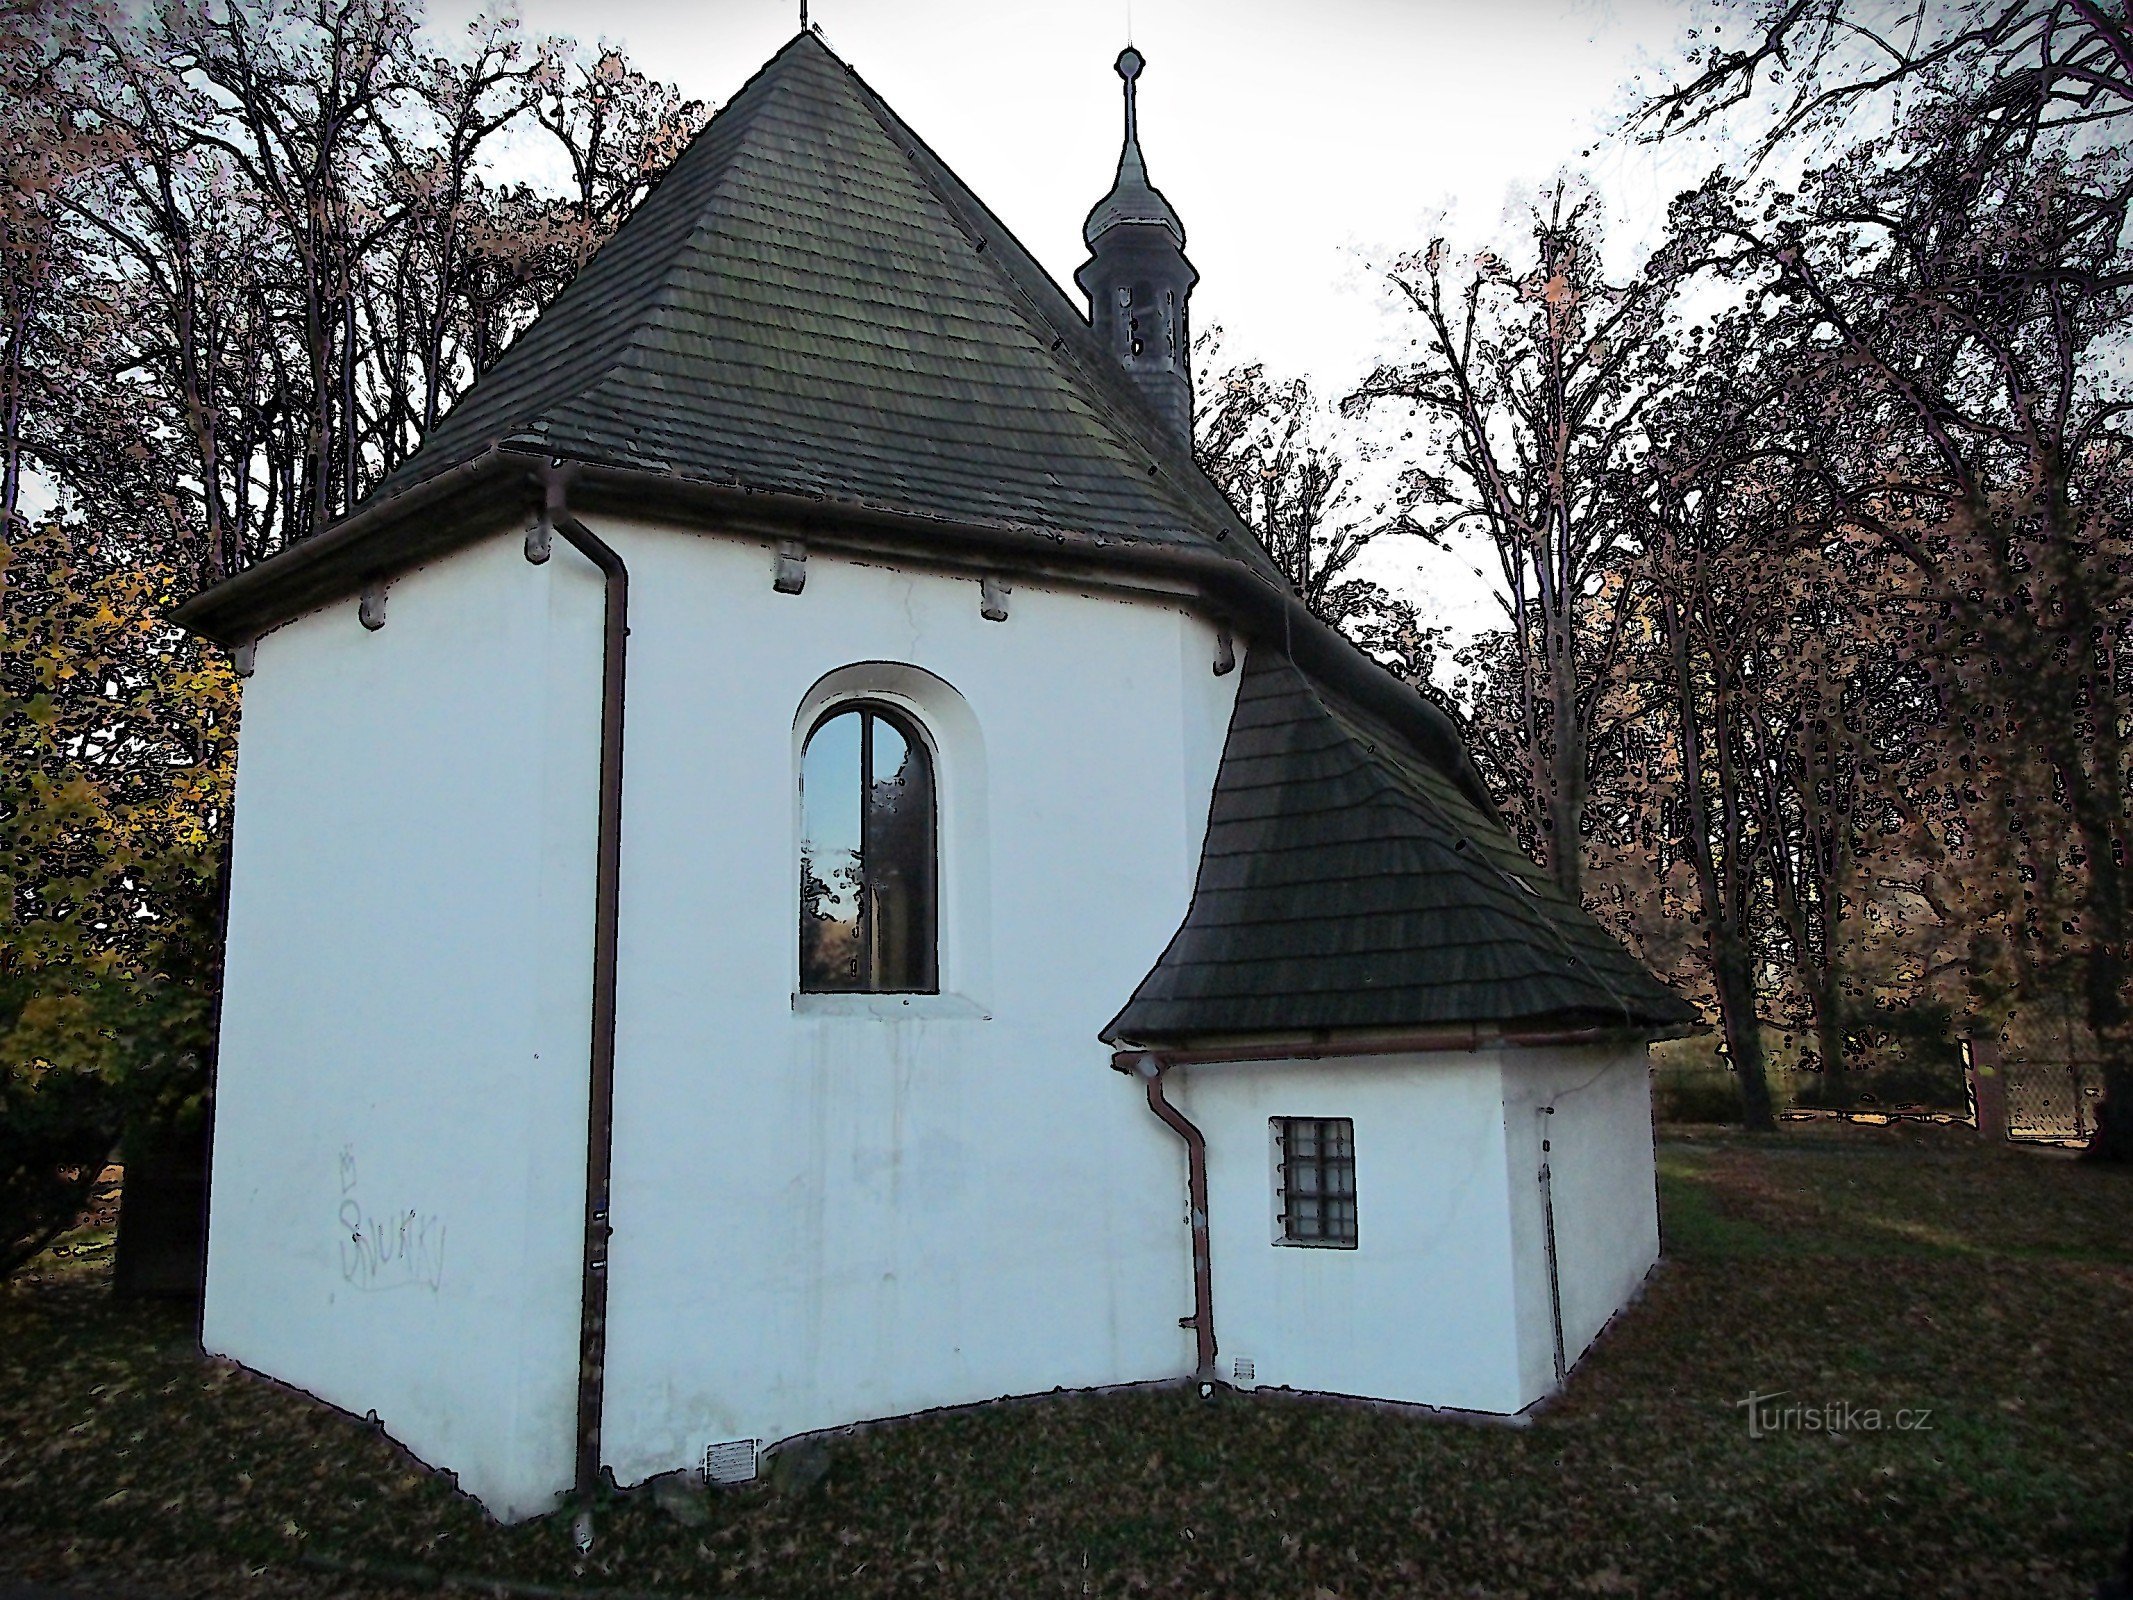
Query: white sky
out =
(1304, 144)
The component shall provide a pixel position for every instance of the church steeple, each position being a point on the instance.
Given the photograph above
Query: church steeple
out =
(1137, 278)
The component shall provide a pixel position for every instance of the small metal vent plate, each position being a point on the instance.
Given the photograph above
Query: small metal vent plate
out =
(730, 1462)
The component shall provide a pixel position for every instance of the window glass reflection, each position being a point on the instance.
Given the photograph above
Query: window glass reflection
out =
(867, 864)
(829, 856)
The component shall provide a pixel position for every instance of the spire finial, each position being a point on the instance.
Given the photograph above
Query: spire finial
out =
(1129, 64)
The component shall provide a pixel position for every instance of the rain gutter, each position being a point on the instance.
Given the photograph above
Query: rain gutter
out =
(1398, 1044)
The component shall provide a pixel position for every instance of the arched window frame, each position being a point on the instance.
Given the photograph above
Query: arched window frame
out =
(918, 737)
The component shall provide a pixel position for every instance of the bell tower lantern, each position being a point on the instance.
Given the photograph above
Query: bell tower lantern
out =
(1138, 280)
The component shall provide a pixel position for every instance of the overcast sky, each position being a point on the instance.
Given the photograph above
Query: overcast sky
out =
(1304, 144)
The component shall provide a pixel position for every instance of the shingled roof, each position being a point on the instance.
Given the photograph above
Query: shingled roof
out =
(1348, 883)
(811, 303)
(812, 322)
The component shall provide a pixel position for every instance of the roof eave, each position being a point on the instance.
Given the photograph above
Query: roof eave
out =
(420, 522)
(1186, 1049)
(462, 503)
(459, 504)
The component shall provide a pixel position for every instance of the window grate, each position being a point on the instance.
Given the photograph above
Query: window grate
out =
(1314, 1176)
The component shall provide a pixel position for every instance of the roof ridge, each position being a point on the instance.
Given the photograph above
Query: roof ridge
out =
(636, 342)
(631, 339)
(1145, 432)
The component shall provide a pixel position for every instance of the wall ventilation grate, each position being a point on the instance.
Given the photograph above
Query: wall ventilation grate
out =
(730, 1462)
(1244, 1370)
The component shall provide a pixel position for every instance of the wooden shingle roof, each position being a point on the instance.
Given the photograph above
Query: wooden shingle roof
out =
(1347, 882)
(812, 323)
(811, 303)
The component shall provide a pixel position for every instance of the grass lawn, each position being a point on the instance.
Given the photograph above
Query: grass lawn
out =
(1889, 1269)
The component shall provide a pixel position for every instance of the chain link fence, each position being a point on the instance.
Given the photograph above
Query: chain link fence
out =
(2053, 1070)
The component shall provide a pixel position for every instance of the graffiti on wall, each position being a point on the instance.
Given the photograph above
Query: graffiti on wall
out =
(396, 1250)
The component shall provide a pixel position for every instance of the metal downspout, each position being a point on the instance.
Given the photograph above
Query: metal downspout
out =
(1555, 1281)
(607, 920)
(1202, 1321)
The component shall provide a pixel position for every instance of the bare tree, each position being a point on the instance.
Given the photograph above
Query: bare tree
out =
(1953, 294)
(1262, 442)
(298, 215)
(2026, 70)
(618, 128)
(249, 252)
(1531, 383)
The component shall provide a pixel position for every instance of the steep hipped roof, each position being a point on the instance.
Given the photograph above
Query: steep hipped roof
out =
(812, 323)
(1348, 883)
(811, 303)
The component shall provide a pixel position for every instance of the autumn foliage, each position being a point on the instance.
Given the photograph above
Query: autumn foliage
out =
(248, 254)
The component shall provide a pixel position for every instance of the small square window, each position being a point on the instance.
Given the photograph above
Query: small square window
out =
(1314, 1180)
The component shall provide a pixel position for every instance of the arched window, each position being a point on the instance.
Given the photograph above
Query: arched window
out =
(867, 869)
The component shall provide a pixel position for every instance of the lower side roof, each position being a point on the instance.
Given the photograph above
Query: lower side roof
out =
(1347, 882)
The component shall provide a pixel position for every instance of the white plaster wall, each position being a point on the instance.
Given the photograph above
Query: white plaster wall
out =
(400, 1120)
(826, 1209)
(1422, 1309)
(1603, 1183)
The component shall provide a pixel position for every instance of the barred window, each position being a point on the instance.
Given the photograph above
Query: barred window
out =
(1314, 1177)
(867, 870)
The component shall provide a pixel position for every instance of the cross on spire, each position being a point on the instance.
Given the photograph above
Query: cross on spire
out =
(1128, 66)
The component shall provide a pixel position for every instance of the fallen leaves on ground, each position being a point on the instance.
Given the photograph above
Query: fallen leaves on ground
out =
(1887, 1270)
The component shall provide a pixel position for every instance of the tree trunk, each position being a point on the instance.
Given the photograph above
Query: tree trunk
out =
(1743, 1029)
(1829, 1041)
(1732, 971)
(1566, 789)
(2113, 1139)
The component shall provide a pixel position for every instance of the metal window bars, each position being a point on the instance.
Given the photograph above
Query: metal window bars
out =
(1316, 1177)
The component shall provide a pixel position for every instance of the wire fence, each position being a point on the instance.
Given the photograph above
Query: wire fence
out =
(2053, 1069)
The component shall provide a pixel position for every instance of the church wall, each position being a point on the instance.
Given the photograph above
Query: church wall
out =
(1602, 1180)
(828, 1209)
(398, 1164)
(1422, 1309)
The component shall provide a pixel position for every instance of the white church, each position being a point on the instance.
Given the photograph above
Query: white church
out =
(798, 864)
